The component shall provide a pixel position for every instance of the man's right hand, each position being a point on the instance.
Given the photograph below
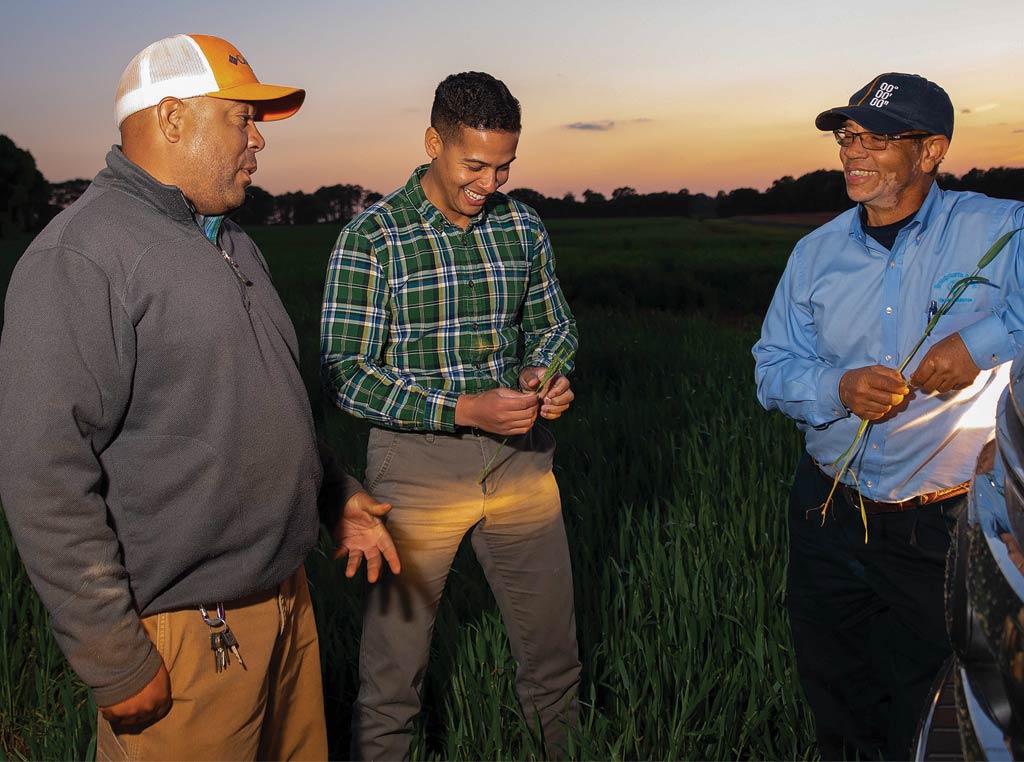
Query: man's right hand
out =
(144, 708)
(872, 392)
(499, 411)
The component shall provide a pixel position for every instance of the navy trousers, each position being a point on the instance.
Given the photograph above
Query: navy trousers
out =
(867, 618)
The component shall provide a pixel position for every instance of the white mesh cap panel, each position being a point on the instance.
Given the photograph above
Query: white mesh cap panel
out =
(174, 66)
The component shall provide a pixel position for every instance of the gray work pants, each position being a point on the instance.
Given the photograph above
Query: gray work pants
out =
(515, 520)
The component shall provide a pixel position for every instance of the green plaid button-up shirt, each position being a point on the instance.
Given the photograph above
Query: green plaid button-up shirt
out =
(418, 311)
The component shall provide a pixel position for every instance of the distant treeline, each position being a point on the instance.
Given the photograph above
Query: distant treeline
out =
(819, 191)
(28, 201)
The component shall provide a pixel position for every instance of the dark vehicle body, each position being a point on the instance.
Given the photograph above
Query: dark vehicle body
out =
(977, 709)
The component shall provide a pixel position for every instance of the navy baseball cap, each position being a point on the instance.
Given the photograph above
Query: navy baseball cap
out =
(892, 103)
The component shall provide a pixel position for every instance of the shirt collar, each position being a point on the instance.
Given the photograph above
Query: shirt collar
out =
(209, 225)
(123, 173)
(427, 210)
(924, 217)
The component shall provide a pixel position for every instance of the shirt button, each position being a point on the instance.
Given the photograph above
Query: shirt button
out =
(892, 264)
(995, 358)
(874, 446)
(870, 484)
(888, 310)
(474, 326)
(471, 284)
(888, 358)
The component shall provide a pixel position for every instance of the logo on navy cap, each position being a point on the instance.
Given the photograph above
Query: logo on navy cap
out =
(883, 94)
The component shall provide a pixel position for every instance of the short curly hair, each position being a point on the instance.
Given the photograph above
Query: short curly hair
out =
(476, 100)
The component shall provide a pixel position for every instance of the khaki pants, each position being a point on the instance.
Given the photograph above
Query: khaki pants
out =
(515, 522)
(273, 709)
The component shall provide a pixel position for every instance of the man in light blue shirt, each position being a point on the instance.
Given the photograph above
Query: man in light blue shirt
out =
(856, 295)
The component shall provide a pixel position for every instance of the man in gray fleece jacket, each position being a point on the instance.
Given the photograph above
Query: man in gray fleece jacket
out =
(157, 451)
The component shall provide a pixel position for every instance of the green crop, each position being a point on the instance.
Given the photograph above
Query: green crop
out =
(673, 485)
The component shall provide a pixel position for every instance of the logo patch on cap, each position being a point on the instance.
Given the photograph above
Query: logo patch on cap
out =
(237, 59)
(883, 94)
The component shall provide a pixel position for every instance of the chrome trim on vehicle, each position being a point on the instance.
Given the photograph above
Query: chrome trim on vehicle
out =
(988, 734)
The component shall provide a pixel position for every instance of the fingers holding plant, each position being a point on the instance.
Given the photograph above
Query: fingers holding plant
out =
(556, 398)
(842, 463)
(546, 386)
(499, 411)
(947, 366)
(871, 392)
(552, 388)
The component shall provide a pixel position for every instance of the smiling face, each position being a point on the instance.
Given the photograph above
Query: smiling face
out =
(466, 169)
(220, 153)
(892, 183)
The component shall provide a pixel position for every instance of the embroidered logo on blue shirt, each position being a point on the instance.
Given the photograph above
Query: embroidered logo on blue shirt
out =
(946, 282)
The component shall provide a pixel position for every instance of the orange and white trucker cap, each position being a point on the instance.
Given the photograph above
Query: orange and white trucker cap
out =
(187, 65)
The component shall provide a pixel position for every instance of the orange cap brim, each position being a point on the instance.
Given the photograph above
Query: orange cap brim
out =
(272, 102)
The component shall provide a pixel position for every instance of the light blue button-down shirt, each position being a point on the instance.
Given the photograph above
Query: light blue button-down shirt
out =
(846, 302)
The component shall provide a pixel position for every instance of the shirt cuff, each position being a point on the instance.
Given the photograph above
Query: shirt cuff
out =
(537, 359)
(988, 342)
(439, 412)
(830, 407)
(127, 687)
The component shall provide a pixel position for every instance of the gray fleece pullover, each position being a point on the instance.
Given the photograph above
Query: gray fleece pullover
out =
(157, 449)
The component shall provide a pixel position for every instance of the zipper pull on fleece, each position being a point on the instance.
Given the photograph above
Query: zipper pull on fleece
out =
(236, 269)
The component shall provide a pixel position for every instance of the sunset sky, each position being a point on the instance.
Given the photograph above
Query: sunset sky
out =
(655, 95)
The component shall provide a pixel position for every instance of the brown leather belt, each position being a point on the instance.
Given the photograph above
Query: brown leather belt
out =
(872, 507)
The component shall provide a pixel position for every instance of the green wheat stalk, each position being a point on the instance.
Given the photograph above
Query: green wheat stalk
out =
(955, 291)
(557, 363)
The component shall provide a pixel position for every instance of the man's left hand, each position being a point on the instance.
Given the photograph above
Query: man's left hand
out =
(556, 395)
(947, 366)
(143, 709)
(360, 534)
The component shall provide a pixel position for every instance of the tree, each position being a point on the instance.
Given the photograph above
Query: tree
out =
(24, 192)
(1000, 182)
(63, 195)
(544, 206)
(258, 209)
(741, 201)
(340, 203)
(299, 208)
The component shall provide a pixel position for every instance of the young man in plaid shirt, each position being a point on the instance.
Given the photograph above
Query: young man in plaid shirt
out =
(441, 314)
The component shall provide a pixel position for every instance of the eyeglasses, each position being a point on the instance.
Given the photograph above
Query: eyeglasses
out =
(873, 141)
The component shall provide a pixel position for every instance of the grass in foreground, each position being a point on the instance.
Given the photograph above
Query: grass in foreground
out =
(674, 486)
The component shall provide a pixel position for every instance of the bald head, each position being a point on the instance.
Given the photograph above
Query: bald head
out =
(139, 139)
